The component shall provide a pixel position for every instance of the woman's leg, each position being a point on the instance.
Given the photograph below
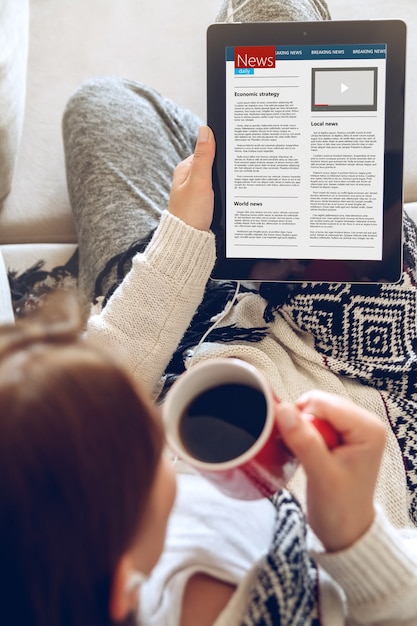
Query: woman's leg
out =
(122, 142)
(272, 11)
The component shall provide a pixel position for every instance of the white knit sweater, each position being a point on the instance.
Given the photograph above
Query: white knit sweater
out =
(143, 323)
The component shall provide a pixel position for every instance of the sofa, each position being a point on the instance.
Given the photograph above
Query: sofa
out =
(65, 43)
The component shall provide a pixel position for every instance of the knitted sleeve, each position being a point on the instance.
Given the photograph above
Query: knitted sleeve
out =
(148, 314)
(378, 574)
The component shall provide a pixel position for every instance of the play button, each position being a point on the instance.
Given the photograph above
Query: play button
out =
(343, 88)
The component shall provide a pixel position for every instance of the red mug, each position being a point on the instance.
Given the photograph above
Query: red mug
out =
(220, 419)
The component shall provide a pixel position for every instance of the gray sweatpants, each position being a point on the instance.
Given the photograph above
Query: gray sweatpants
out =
(122, 142)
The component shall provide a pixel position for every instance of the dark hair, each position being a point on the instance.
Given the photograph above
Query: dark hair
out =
(79, 448)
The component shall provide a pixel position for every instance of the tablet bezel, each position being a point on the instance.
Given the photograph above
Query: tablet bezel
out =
(391, 32)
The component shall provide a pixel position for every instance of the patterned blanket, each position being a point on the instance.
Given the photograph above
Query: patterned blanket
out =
(367, 332)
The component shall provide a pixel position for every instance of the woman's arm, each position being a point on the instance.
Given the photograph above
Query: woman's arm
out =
(373, 562)
(148, 314)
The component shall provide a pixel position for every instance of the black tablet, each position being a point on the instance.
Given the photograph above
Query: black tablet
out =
(309, 124)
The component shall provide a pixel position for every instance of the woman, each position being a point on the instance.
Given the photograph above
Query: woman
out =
(122, 142)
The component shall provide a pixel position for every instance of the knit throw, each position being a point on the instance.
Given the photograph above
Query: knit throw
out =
(366, 332)
(369, 333)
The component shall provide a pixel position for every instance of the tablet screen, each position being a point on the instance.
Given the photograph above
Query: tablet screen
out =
(308, 178)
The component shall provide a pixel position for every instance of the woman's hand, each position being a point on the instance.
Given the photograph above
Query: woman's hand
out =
(192, 192)
(340, 482)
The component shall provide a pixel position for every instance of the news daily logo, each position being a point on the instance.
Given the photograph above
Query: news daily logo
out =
(254, 57)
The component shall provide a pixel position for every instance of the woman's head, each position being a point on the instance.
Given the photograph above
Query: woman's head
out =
(80, 455)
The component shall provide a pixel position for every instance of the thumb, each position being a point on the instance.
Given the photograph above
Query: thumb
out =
(196, 169)
(302, 438)
(191, 196)
(203, 157)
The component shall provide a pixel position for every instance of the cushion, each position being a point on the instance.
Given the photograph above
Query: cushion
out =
(14, 22)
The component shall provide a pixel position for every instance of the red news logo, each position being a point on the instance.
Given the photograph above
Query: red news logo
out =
(255, 56)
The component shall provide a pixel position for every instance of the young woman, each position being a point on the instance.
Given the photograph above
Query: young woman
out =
(147, 269)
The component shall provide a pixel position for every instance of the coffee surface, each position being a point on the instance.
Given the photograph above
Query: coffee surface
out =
(223, 422)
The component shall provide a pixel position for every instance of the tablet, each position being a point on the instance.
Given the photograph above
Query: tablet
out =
(309, 124)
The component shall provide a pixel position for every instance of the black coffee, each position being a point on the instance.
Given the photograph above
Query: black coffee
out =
(223, 422)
